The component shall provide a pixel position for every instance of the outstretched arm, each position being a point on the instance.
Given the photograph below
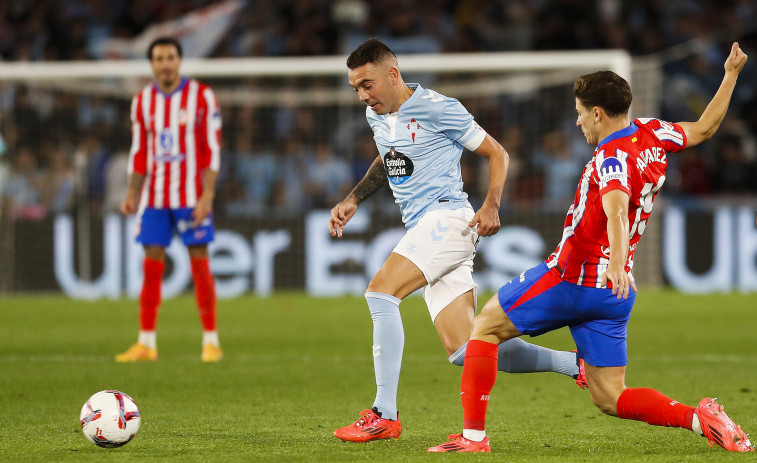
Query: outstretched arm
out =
(708, 123)
(487, 218)
(373, 180)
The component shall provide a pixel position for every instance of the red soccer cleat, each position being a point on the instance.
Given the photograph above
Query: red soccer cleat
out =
(581, 376)
(370, 426)
(458, 443)
(720, 429)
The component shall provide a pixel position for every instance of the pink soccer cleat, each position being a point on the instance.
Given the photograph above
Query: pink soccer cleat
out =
(720, 429)
(581, 376)
(370, 426)
(458, 443)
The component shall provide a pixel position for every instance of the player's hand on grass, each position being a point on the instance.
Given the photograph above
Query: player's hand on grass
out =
(736, 60)
(487, 219)
(340, 215)
(622, 283)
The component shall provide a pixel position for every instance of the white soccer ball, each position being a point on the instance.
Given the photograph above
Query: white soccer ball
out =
(110, 419)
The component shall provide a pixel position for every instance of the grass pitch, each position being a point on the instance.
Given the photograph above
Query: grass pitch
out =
(296, 368)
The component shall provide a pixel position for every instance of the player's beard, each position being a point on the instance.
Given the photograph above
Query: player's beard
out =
(169, 80)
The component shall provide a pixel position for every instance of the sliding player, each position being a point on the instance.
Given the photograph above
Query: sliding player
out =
(586, 284)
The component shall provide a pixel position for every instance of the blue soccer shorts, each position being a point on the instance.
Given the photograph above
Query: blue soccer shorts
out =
(538, 301)
(155, 227)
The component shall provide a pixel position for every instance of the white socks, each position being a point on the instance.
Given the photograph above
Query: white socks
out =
(475, 435)
(147, 338)
(696, 426)
(210, 337)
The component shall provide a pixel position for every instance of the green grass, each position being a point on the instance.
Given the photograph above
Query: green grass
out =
(296, 368)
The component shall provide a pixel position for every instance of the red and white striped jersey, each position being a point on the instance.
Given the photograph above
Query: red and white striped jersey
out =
(174, 139)
(632, 160)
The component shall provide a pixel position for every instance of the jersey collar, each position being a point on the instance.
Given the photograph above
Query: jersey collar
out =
(417, 90)
(622, 133)
(178, 89)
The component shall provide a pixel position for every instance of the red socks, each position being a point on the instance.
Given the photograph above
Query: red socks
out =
(651, 406)
(479, 375)
(641, 404)
(149, 298)
(205, 293)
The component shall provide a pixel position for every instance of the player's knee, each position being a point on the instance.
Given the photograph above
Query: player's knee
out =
(198, 251)
(155, 252)
(493, 322)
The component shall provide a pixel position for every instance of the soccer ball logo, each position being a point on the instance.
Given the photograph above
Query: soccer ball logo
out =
(110, 419)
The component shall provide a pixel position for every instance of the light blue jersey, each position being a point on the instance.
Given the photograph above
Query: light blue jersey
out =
(421, 145)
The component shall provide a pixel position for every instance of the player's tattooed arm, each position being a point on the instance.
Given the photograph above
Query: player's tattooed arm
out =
(373, 180)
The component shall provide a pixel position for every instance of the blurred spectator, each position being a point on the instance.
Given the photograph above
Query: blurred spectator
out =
(21, 198)
(693, 174)
(58, 182)
(328, 178)
(288, 194)
(116, 186)
(561, 169)
(91, 161)
(733, 173)
(255, 172)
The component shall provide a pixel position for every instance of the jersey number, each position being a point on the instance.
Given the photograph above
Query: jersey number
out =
(646, 202)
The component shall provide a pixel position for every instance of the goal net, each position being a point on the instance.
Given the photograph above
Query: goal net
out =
(295, 140)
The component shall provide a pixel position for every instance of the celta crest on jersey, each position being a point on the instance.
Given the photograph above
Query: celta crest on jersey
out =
(412, 127)
(398, 167)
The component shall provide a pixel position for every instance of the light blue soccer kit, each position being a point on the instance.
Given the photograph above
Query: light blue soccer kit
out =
(421, 145)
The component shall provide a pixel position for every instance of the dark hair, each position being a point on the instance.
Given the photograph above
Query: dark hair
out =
(605, 89)
(371, 51)
(164, 41)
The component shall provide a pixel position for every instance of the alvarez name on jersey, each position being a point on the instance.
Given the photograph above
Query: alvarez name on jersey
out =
(421, 145)
(633, 160)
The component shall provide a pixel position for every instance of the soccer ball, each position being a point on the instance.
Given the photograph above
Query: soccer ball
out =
(110, 419)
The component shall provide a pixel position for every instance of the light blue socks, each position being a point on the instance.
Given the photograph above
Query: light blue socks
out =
(388, 344)
(519, 356)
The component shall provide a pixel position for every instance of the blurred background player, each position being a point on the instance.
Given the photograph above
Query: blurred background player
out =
(173, 165)
(587, 283)
(420, 135)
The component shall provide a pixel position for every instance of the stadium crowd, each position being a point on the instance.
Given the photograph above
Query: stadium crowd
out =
(59, 149)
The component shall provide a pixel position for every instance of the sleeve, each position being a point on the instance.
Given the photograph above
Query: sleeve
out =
(671, 135)
(458, 124)
(213, 130)
(138, 151)
(613, 169)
